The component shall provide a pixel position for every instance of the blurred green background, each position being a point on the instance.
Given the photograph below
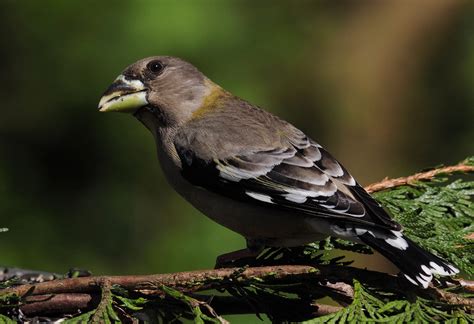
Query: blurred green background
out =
(386, 86)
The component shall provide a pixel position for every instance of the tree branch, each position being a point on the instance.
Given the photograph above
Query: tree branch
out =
(84, 292)
(54, 303)
(46, 295)
(189, 281)
(422, 176)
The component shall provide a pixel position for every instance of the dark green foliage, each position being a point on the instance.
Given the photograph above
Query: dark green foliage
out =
(6, 320)
(7, 303)
(371, 307)
(438, 215)
(318, 253)
(169, 306)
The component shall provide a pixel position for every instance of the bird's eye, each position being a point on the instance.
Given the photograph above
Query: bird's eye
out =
(156, 67)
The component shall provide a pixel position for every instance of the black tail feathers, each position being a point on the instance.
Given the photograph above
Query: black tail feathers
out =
(416, 264)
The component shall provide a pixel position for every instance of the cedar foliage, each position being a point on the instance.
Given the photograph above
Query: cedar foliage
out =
(438, 214)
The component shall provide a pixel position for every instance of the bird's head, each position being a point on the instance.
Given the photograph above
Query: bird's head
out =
(160, 91)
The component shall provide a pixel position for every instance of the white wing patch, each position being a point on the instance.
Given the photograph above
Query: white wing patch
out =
(296, 198)
(261, 197)
(229, 176)
(411, 280)
(425, 281)
(435, 268)
(425, 277)
(302, 173)
(328, 191)
(398, 243)
(236, 174)
(253, 166)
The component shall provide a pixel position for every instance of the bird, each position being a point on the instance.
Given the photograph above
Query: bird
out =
(253, 172)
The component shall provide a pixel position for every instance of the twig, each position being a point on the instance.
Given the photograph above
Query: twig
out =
(186, 281)
(335, 278)
(63, 296)
(53, 304)
(212, 312)
(428, 175)
(323, 309)
(105, 299)
(467, 285)
(453, 299)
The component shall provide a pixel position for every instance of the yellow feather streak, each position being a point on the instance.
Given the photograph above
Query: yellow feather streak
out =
(210, 102)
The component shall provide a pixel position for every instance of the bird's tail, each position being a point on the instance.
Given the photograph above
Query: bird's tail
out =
(416, 264)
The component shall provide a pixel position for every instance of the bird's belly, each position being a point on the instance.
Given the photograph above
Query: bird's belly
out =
(271, 226)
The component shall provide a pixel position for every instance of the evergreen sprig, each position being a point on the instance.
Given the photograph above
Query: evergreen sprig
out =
(437, 213)
(371, 307)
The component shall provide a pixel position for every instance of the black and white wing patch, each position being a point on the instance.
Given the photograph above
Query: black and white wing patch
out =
(304, 177)
(301, 177)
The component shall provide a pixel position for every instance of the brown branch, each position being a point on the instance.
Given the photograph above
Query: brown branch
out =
(186, 281)
(323, 309)
(105, 298)
(422, 176)
(70, 295)
(467, 285)
(67, 296)
(452, 298)
(53, 304)
(84, 293)
(211, 310)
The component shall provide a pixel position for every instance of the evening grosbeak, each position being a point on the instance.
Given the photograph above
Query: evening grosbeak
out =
(254, 173)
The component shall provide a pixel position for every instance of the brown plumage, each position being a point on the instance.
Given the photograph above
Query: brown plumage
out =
(253, 172)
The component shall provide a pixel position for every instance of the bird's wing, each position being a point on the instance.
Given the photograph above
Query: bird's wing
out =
(299, 176)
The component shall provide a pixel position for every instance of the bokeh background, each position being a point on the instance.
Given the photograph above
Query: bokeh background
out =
(386, 86)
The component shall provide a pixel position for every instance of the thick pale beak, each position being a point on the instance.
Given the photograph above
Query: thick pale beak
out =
(124, 96)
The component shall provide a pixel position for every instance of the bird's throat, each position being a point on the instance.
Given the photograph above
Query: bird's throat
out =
(152, 117)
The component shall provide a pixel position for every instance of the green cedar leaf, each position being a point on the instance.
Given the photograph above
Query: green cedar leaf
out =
(438, 216)
(6, 320)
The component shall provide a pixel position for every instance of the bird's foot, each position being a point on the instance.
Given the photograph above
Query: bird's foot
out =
(237, 258)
